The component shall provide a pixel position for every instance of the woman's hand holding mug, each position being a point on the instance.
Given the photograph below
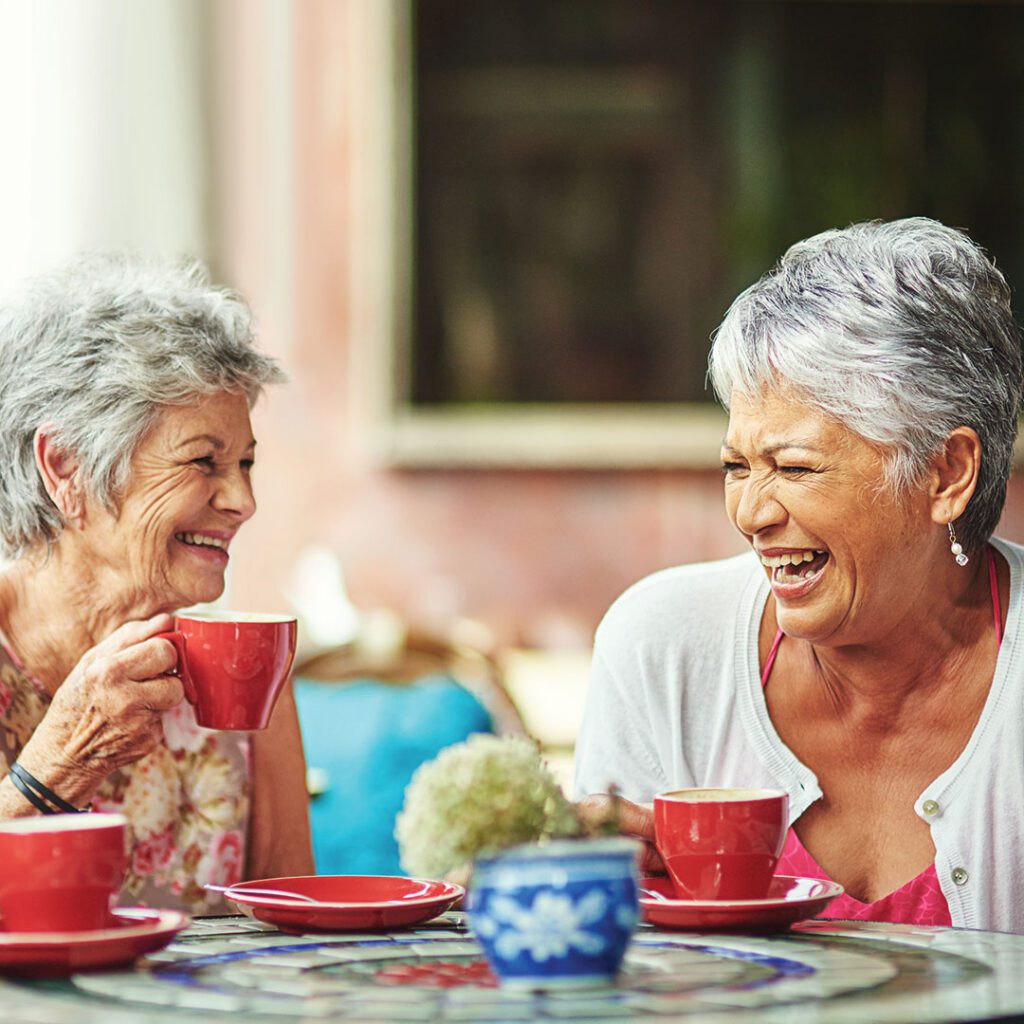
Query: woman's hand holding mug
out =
(632, 819)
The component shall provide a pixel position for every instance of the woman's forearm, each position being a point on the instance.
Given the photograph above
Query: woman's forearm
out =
(279, 838)
(106, 714)
(12, 803)
(72, 782)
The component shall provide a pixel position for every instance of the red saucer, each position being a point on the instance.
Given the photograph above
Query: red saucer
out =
(133, 932)
(790, 899)
(346, 902)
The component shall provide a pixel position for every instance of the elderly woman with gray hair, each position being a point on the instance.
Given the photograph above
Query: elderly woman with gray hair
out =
(866, 657)
(125, 391)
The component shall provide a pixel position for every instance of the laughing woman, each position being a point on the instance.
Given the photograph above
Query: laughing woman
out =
(867, 656)
(126, 448)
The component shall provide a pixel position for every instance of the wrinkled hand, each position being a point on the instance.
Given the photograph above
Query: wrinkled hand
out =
(633, 820)
(107, 713)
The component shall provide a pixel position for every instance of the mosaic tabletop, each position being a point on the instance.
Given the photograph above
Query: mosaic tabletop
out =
(822, 972)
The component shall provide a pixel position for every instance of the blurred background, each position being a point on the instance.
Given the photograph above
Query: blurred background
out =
(490, 242)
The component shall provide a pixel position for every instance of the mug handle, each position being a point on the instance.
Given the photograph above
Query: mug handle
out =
(181, 669)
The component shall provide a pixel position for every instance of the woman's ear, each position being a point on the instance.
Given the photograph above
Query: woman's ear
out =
(954, 475)
(59, 473)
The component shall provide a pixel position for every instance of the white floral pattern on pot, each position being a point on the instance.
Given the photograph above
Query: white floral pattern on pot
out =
(550, 927)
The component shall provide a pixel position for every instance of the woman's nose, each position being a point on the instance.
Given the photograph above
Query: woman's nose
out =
(234, 494)
(757, 508)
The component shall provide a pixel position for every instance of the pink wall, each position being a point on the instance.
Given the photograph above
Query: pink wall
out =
(536, 555)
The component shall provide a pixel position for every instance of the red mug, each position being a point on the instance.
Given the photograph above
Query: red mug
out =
(61, 872)
(233, 665)
(721, 844)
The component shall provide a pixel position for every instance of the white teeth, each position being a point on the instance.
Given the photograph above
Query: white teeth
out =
(202, 540)
(790, 558)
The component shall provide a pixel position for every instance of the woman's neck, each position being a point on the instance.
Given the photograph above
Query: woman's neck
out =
(943, 635)
(53, 610)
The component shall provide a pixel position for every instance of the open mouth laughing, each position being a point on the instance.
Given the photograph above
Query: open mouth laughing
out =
(794, 571)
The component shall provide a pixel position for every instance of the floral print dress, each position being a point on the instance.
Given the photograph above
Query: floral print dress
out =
(187, 802)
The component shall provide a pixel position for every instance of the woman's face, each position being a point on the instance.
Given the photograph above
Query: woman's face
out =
(844, 558)
(188, 493)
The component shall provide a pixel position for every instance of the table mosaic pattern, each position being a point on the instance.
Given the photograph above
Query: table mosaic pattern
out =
(822, 972)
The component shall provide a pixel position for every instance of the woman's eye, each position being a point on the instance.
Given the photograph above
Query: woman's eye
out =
(794, 470)
(204, 461)
(732, 467)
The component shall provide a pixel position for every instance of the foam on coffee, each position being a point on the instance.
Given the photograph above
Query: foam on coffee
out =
(719, 795)
(215, 616)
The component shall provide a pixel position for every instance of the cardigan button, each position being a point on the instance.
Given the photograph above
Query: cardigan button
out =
(930, 807)
(960, 876)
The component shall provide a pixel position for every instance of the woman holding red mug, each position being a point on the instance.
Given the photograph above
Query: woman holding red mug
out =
(865, 658)
(125, 391)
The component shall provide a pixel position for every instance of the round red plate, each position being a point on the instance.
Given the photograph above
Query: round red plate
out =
(347, 902)
(790, 899)
(133, 932)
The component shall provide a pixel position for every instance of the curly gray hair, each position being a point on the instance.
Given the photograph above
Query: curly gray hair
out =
(900, 330)
(95, 350)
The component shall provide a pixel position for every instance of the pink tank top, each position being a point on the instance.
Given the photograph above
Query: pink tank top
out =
(919, 901)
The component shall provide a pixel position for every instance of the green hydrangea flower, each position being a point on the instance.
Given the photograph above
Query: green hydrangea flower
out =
(478, 797)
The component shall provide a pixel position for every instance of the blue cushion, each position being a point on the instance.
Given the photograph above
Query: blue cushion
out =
(369, 737)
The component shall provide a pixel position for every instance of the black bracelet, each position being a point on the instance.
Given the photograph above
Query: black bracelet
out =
(39, 795)
(27, 793)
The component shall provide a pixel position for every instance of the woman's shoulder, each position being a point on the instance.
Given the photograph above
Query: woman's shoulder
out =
(681, 599)
(1010, 550)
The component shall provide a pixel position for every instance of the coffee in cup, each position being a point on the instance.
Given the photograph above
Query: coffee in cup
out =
(721, 844)
(61, 872)
(233, 665)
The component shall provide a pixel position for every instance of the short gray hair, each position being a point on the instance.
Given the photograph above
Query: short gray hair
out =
(95, 349)
(900, 330)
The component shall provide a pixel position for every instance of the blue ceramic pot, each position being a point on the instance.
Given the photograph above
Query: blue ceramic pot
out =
(560, 914)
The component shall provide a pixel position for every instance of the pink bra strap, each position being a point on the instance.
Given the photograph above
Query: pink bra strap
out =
(997, 613)
(770, 660)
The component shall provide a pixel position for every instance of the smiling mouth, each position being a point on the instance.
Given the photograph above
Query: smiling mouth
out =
(795, 566)
(200, 540)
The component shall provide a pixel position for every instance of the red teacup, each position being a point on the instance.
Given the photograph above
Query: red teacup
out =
(721, 844)
(233, 665)
(61, 872)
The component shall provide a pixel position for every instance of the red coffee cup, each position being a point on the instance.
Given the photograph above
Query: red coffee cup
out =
(233, 665)
(61, 872)
(721, 844)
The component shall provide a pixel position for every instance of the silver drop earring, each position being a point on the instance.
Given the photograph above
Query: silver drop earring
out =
(958, 551)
